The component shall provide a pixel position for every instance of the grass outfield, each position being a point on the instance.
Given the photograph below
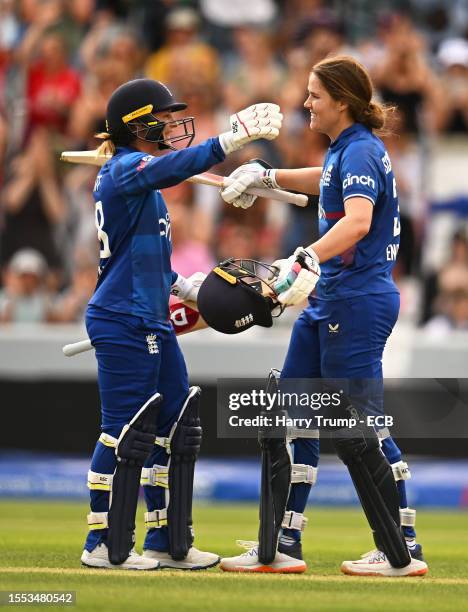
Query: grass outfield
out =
(41, 543)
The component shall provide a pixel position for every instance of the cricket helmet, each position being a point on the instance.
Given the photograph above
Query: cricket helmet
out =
(238, 294)
(131, 114)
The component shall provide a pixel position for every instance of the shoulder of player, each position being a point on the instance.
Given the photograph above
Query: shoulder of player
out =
(367, 148)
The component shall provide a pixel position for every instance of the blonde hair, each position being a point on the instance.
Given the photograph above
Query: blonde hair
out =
(107, 147)
(348, 81)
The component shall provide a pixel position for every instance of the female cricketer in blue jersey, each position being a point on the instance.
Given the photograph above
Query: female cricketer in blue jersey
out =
(150, 423)
(343, 331)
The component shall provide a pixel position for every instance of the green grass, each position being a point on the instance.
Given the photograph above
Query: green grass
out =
(40, 545)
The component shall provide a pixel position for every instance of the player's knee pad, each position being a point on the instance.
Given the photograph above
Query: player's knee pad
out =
(132, 448)
(183, 446)
(373, 479)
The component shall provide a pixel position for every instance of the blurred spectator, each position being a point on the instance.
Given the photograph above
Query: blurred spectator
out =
(451, 302)
(24, 298)
(404, 77)
(453, 57)
(33, 203)
(189, 252)
(458, 259)
(88, 114)
(323, 35)
(253, 74)
(52, 85)
(184, 58)
(70, 305)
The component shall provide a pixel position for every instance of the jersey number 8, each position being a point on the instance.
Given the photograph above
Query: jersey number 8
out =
(102, 236)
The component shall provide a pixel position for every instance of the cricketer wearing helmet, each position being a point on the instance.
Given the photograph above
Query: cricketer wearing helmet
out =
(150, 421)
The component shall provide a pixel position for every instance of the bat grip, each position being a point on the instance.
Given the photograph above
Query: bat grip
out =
(299, 199)
(70, 350)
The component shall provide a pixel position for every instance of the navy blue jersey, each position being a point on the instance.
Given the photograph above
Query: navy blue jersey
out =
(134, 228)
(357, 165)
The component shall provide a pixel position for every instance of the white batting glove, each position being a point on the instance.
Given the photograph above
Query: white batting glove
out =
(186, 289)
(246, 176)
(297, 276)
(257, 121)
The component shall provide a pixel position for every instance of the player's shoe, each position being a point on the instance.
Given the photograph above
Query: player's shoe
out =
(99, 557)
(195, 559)
(375, 563)
(416, 552)
(249, 562)
(289, 546)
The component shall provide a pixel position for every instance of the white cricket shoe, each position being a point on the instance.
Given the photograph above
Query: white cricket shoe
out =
(375, 563)
(249, 562)
(195, 559)
(99, 557)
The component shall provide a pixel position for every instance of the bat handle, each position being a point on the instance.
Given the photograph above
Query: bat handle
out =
(70, 350)
(299, 199)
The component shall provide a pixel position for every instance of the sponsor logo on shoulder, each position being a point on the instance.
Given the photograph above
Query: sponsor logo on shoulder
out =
(333, 328)
(358, 180)
(246, 320)
(143, 161)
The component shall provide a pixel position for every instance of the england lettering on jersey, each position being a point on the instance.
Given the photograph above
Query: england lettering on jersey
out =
(357, 165)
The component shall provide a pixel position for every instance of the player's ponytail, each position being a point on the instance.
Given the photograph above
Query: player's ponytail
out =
(347, 80)
(107, 147)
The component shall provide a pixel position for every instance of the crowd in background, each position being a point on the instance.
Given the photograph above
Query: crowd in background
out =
(61, 59)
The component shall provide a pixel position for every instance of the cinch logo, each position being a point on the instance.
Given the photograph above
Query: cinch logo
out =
(358, 180)
(326, 176)
(244, 321)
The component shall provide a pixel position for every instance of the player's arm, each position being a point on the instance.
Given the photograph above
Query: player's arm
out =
(257, 173)
(306, 180)
(139, 173)
(347, 231)
(359, 197)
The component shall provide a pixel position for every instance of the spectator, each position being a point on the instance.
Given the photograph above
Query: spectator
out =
(184, 57)
(405, 78)
(70, 305)
(52, 86)
(24, 298)
(33, 204)
(453, 57)
(451, 303)
(254, 75)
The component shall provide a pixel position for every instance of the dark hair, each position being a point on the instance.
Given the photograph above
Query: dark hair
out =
(348, 81)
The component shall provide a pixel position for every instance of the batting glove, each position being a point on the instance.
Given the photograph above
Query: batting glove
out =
(255, 173)
(186, 289)
(257, 121)
(297, 276)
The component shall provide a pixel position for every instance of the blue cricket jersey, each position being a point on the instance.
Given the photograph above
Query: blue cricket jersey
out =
(134, 229)
(357, 164)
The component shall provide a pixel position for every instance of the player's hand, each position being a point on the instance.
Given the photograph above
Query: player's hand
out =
(186, 289)
(257, 121)
(255, 173)
(297, 276)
